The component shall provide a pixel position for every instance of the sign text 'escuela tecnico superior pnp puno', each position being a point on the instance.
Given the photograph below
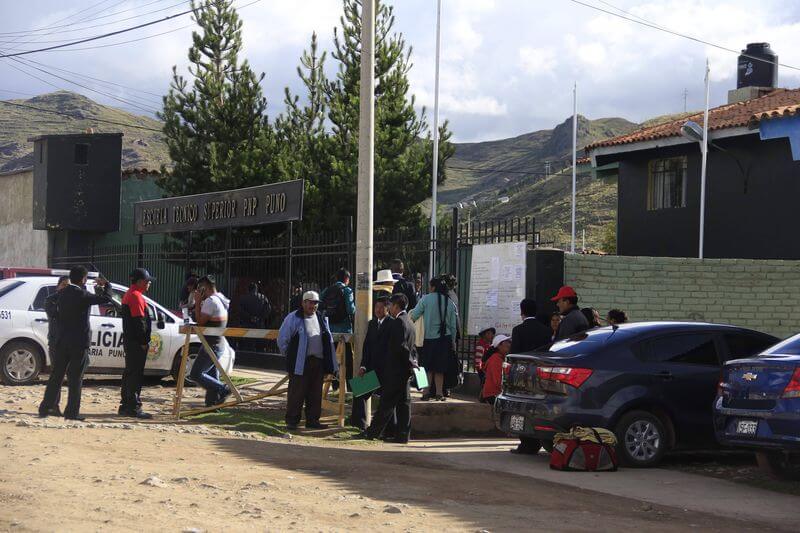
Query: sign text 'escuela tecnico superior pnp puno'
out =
(253, 206)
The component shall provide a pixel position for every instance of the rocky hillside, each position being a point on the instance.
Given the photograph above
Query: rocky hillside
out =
(32, 117)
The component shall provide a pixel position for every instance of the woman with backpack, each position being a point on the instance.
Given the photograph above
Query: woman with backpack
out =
(440, 316)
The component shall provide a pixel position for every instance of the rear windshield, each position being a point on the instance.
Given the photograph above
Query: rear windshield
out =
(790, 346)
(585, 342)
(8, 285)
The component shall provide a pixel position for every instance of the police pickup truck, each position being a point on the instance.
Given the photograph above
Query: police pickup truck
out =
(23, 333)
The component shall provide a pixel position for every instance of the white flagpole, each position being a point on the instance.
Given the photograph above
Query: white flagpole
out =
(434, 186)
(704, 150)
(574, 158)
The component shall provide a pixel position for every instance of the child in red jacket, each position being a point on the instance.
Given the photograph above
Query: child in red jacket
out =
(482, 347)
(494, 368)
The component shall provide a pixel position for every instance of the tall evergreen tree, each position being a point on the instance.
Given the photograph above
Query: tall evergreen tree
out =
(402, 142)
(216, 127)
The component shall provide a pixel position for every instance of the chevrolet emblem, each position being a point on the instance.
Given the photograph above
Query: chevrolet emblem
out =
(749, 376)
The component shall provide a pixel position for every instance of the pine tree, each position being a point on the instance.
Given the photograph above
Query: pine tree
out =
(403, 162)
(216, 128)
(302, 137)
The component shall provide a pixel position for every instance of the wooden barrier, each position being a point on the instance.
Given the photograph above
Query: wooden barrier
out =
(340, 340)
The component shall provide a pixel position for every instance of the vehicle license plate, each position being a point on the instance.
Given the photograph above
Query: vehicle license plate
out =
(746, 427)
(517, 423)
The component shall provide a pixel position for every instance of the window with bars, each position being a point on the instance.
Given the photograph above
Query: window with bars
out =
(666, 183)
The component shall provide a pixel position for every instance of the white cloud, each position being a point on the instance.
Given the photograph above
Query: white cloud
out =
(537, 61)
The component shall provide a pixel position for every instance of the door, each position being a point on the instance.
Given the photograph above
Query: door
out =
(38, 318)
(685, 370)
(106, 351)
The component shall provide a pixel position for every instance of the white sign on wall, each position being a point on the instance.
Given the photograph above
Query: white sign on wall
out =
(497, 284)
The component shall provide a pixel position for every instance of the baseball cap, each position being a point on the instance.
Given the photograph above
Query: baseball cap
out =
(141, 273)
(564, 292)
(484, 330)
(499, 340)
(311, 295)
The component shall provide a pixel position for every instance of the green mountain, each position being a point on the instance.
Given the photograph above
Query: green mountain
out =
(141, 148)
(509, 177)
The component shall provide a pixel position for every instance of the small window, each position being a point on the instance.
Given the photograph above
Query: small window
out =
(693, 349)
(81, 154)
(746, 345)
(41, 296)
(666, 183)
(9, 285)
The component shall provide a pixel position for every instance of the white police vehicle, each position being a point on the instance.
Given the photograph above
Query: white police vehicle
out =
(23, 333)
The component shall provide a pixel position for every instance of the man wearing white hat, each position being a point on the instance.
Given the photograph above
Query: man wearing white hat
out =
(306, 341)
(493, 385)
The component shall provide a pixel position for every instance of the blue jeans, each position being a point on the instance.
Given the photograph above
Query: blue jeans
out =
(206, 374)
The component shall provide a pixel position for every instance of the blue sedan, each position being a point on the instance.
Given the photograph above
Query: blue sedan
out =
(758, 406)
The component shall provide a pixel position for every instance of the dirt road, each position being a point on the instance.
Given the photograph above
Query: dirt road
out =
(109, 474)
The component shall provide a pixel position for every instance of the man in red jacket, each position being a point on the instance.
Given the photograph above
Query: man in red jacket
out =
(136, 330)
(494, 368)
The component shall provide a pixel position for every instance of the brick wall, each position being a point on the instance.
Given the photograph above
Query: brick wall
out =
(760, 294)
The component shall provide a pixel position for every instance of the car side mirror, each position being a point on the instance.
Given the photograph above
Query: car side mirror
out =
(160, 324)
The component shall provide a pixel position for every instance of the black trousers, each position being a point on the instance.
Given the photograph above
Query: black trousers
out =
(51, 351)
(358, 416)
(71, 363)
(132, 376)
(395, 401)
(305, 389)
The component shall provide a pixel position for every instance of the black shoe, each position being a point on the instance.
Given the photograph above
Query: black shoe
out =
(226, 391)
(363, 436)
(439, 398)
(78, 418)
(290, 426)
(141, 415)
(316, 425)
(398, 440)
(426, 397)
(53, 411)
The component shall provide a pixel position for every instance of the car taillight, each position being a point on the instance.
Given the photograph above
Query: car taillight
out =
(573, 377)
(792, 390)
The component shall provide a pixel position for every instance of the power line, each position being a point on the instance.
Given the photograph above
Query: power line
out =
(103, 36)
(109, 23)
(91, 119)
(654, 26)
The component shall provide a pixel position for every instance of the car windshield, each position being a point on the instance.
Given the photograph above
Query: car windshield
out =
(790, 346)
(582, 343)
(8, 285)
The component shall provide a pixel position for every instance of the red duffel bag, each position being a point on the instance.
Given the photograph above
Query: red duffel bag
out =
(584, 449)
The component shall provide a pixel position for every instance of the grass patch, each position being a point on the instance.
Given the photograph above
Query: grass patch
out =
(240, 381)
(270, 423)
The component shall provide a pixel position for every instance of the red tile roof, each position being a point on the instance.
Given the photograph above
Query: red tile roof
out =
(778, 103)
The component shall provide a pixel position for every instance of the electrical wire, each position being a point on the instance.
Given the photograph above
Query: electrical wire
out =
(103, 36)
(654, 26)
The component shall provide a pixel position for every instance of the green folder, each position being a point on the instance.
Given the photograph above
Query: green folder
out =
(421, 377)
(363, 385)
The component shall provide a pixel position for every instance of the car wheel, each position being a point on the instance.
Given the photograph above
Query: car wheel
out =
(21, 363)
(527, 446)
(641, 439)
(547, 445)
(779, 464)
(189, 362)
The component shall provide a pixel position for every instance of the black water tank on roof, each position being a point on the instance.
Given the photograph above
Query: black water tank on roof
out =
(758, 67)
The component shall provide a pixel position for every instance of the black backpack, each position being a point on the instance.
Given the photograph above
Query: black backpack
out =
(333, 304)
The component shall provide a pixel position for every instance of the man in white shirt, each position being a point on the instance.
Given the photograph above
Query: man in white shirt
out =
(211, 310)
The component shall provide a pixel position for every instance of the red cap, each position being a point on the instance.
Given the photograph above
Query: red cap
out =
(564, 292)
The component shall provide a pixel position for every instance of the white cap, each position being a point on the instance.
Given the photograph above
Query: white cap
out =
(500, 339)
(311, 295)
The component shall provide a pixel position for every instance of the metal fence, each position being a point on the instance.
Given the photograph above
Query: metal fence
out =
(277, 260)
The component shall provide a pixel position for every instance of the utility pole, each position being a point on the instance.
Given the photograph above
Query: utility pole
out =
(547, 169)
(574, 159)
(685, 97)
(366, 178)
(704, 149)
(435, 185)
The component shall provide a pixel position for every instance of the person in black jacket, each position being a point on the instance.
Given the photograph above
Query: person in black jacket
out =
(531, 333)
(51, 310)
(373, 357)
(401, 358)
(254, 311)
(137, 328)
(403, 285)
(74, 338)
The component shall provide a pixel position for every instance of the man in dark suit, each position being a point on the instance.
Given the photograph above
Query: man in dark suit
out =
(373, 357)
(401, 357)
(402, 284)
(531, 333)
(74, 338)
(51, 309)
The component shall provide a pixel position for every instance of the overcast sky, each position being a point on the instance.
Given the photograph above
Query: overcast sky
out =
(507, 65)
